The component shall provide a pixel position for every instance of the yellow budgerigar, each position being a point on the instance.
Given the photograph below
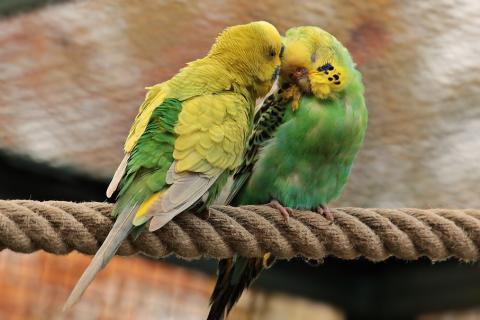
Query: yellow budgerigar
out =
(189, 135)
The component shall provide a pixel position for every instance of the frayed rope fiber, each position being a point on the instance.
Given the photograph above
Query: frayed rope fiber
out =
(59, 227)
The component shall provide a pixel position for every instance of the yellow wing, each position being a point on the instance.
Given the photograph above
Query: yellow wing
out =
(211, 137)
(212, 132)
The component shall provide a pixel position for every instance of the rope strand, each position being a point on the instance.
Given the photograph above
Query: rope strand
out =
(59, 227)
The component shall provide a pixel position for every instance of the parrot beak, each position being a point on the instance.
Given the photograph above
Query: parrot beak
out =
(298, 74)
(300, 77)
(276, 73)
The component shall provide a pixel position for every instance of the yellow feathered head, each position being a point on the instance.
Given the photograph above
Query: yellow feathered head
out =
(315, 62)
(251, 52)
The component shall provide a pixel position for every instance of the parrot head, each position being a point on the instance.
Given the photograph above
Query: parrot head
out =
(252, 53)
(314, 62)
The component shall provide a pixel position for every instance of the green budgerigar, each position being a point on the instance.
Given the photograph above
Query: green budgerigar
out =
(189, 136)
(305, 140)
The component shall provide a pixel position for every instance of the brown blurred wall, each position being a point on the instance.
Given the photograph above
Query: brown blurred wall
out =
(72, 77)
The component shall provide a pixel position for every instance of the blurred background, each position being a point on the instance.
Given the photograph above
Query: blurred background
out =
(72, 75)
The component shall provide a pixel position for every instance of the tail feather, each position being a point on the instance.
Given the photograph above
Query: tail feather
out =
(120, 230)
(117, 177)
(234, 276)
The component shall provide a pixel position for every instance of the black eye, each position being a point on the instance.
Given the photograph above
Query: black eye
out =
(282, 49)
(325, 67)
(272, 53)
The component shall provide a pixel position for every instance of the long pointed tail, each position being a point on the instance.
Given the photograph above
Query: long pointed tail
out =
(120, 230)
(234, 276)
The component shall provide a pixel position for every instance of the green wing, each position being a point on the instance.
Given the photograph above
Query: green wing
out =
(266, 121)
(151, 157)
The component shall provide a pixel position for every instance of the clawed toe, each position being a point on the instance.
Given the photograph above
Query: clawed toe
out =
(285, 211)
(325, 211)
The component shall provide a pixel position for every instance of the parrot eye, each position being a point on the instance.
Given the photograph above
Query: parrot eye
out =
(272, 53)
(326, 67)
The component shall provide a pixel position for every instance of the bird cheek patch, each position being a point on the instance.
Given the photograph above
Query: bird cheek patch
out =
(337, 79)
(320, 85)
(321, 91)
(328, 79)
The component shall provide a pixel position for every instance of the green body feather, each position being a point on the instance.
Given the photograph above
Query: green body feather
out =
(305, 164)
(308, 161)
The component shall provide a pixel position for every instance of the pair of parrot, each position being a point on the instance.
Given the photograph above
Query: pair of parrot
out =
(198, 129)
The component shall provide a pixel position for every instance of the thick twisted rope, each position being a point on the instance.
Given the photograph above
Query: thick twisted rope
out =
(60, 227)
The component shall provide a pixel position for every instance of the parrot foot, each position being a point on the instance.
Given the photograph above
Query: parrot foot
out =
(283, 210)
(325, 211)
